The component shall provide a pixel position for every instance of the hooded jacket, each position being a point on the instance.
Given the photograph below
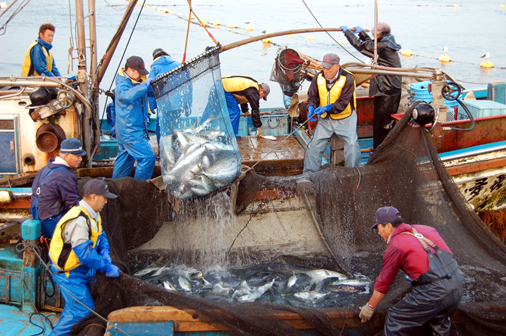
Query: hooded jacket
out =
(59, 192)
(131, 105)
(388, 56)
(160, 66)
(36, 59)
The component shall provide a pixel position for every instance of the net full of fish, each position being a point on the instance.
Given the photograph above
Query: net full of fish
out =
(197, 161)
(275, 283)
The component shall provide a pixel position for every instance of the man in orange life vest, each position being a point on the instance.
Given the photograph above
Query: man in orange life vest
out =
(39, 59)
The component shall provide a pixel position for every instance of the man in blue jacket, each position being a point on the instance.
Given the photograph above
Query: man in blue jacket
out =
(39, 59)
(54, 189)
(78, 250)
(132, 117)
(162, 63)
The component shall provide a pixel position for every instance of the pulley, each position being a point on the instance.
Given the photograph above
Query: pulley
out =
(451, 91)
(65, 98)
(423, 114)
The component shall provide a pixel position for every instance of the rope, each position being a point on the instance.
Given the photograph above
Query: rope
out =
(203, 26)
(329, 33)
(119, 64)
(263, 157)
(118, 10)
(187, 31)
(36, 249)
(22, 5)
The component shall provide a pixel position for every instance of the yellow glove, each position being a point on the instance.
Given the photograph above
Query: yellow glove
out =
(366, 313)
(260, 132)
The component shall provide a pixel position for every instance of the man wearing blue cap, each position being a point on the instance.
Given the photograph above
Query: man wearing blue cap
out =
(332, 98)
(54, 190)
(431, 270)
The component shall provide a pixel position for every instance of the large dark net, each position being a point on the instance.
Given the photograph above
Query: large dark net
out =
(288, 71)
(405, 172)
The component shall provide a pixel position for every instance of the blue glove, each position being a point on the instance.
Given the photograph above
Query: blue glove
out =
(344, 28)
(112, 271)
(310, 113)
(358, 29)
(327, 108)
(319, 110)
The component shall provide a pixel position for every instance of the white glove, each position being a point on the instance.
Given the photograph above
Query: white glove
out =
(366, 313)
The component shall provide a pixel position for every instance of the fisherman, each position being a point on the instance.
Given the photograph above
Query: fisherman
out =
(39, 59)
(54, 189)
(241, 90)
(162, 63)
(433, 273)
(386, 89)
(132, 117)
(80, 248)
(332, 97)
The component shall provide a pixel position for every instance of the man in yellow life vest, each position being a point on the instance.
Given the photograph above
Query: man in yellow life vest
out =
(39, 59)
(78, 249)
(243, 90)
(332, 97)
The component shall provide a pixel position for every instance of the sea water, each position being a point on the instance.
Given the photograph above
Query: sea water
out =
(468, 28)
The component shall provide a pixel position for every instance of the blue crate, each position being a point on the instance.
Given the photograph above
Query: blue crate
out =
(482, 109)
(420, 91)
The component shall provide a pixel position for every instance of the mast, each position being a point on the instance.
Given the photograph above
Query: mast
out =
(93, 73)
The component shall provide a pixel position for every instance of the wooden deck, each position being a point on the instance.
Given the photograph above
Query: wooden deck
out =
(279, 157)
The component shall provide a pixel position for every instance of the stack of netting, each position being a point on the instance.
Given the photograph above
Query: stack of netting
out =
(288, 71)
(405, 172)
(198, 149)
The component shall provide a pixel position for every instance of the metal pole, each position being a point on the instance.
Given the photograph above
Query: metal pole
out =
(375, 59)
(82, 76)
(285, 32)
(104, 63)
(93, 72)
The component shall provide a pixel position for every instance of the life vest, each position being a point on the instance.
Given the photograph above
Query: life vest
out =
(27, 69)
(327, 97)
(238, 83)
(61, 253)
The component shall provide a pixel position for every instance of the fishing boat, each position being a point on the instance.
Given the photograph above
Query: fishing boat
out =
(32, 135)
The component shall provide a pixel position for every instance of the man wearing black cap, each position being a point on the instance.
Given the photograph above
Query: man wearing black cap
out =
(162, 63)
(431, 270)
(241, 90)
(54, 189)
(132, 117)
(332, 97)
(386, 89)
(78, 249)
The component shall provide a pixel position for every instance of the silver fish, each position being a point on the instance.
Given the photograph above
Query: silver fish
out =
(243, 289)
(258, 293)
(166, 150)
(169, 286)
(146, 271)
(183, 139)
(321, 274)
(223, 171)
(309, 295)
(185, 284)
(219, 290)
(291, 281)
(351, 282)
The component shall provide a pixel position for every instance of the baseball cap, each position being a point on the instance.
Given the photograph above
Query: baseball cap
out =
(72, 146)
(98, 187)
(329, 60)
(266, 89)
(135, 62)
(159, 52)
(386, 214)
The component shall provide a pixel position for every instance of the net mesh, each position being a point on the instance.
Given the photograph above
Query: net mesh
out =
(405, 171)
(289, 71)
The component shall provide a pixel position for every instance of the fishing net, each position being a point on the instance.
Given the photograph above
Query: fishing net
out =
(198, 149)
(337, 205)
(288, 70)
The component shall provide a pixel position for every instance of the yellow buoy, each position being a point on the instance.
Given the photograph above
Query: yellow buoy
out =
(232, 26)
(291, 35)
(456, 5)
(445, 58)
(486, 65)
(267, 40)
(501, 6)
(203, 23)
(216, 23)
(249, 28)
(343, 42)
(309, 38)
(406, 52)
(268, 31)
(153, 7)
(160, 9)
(180, 14)
(165, 12)
(147, 6)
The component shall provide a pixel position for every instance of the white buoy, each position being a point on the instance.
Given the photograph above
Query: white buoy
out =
(3, 5)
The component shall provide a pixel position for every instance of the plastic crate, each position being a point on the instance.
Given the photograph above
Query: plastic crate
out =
(482, 109)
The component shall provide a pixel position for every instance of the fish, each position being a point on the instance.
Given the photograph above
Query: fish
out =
(185, 284)
(257, 293)
(321, 274)
(166, 150)
(242, 289)
(291, 281)
(220, 290)
(223, 171)
(183, 139)
(146, 271)
(351, 282)
(312, 295)
(169, 286)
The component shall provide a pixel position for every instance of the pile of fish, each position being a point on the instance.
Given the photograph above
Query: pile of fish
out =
(273, 283)
(197, 161)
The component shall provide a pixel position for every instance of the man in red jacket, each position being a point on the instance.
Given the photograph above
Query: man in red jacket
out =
(434, 275)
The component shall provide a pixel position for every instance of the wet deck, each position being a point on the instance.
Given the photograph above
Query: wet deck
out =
(279, 157)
